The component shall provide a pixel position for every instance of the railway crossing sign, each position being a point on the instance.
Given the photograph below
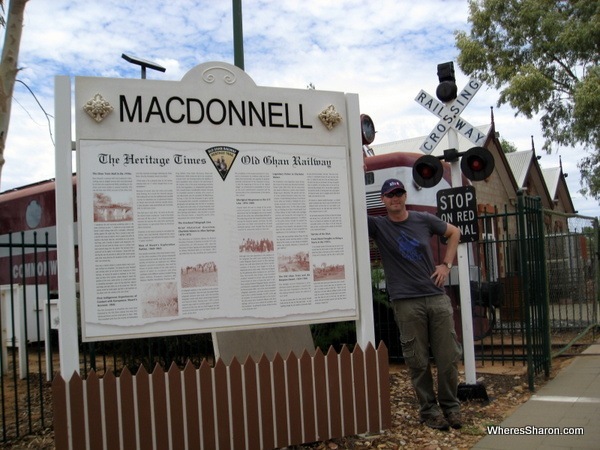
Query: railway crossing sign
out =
(459, 204)
(450, 117)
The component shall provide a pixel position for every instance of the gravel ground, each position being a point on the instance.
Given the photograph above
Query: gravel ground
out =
(506, 392)
(506, 388)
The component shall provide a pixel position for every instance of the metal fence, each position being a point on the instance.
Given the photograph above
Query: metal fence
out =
(24, 367)
(514, 257)
(572, 268)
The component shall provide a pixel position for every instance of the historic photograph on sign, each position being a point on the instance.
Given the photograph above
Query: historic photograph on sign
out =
(113, 207)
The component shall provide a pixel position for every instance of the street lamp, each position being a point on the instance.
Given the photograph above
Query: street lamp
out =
(143, 63)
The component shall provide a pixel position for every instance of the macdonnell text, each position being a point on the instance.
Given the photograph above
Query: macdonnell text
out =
(214, 111)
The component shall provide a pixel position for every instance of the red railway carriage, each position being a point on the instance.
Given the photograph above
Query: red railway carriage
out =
(28, 220)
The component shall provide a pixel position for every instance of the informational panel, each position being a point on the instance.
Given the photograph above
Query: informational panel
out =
(212, 204)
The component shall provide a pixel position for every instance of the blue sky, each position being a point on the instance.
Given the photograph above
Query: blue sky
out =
(384, 50)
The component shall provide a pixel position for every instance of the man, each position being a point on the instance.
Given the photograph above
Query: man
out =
(422, 310)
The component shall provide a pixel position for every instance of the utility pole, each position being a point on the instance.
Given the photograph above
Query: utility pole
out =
(238, 35)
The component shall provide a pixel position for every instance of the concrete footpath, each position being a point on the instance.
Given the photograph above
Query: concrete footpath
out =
(562, 414)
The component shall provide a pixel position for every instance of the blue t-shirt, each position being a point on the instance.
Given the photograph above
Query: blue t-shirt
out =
(406, 253)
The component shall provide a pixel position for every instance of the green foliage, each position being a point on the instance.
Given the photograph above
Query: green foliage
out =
(377, 275)
(377, 282)
(586, 111)
(336, 334)
(507, 147)
(543, 56)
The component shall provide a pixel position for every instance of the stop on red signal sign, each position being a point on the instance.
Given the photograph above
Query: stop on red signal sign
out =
(458, 206)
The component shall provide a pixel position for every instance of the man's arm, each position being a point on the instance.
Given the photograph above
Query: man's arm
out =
(442, 271)
(453, 235)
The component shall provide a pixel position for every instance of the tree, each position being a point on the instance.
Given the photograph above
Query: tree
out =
(507, 146)
(542, 55)
(8, 65)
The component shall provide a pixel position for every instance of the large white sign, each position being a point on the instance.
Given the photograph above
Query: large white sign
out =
(212, 204)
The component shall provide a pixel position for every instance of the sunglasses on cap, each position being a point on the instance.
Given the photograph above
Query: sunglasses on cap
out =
(397, 193)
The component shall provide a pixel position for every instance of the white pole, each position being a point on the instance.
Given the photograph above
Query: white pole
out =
(463, 279)
(68, 341)
(365, 325)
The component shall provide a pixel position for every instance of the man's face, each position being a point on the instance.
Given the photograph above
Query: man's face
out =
(394, 201)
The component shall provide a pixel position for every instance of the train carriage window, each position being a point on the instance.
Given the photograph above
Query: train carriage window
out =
(369, 178)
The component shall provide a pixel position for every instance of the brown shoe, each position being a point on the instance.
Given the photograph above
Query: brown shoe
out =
(436, 422)
(454, 420)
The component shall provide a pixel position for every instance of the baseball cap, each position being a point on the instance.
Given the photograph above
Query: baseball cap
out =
(391, 185)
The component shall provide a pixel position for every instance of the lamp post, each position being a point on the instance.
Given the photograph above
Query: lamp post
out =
(238, 35)
(143, 63)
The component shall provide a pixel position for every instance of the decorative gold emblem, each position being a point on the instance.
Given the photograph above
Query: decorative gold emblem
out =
(330, 117)
(98, 108)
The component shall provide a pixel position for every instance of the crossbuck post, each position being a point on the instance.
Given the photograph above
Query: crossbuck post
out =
(451, 123)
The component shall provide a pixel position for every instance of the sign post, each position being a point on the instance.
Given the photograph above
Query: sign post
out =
(451, 123)
(464, 282)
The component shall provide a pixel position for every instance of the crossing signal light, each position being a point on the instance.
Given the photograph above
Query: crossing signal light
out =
(477, 164)
(427, 171)
(447, 89)
(367, 128)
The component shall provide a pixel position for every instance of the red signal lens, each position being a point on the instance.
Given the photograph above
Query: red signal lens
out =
(425, 171)
(476, 164)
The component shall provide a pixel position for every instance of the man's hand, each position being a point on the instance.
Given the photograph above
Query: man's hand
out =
(440, 275)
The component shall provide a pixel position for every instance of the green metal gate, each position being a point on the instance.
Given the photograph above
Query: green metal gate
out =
(509, 292)
(534, 285)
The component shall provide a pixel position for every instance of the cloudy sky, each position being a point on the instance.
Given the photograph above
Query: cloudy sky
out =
(384, 50)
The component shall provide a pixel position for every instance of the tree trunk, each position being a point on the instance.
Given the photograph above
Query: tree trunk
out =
(8, 67)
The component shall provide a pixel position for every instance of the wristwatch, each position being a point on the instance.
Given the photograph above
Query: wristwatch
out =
(448, 265)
